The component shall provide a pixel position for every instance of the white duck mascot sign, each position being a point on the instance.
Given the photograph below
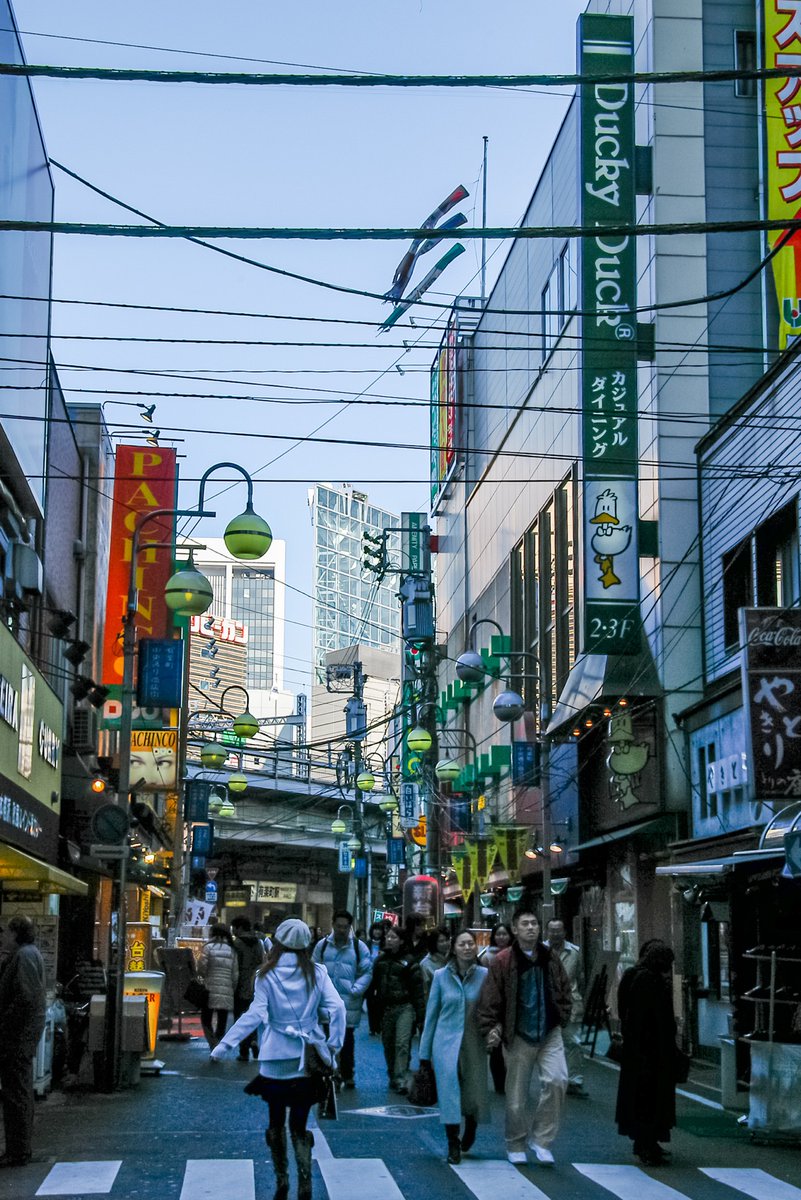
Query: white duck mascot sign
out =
(609, 538)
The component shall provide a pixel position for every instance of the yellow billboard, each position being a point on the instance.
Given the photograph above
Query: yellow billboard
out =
(783, 148)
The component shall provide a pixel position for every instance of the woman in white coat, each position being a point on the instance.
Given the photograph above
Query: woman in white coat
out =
(292, 996)
(451, 1040)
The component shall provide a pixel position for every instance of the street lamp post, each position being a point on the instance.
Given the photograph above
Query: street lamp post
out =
(247, 536)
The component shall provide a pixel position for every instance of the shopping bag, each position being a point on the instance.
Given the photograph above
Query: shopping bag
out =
(423, 1088)
(327, 1107)
(197, 994)
(615, 1051)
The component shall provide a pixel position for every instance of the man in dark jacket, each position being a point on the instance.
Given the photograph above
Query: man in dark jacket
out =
(524, 1003)
(249, 950)
(22, 1021)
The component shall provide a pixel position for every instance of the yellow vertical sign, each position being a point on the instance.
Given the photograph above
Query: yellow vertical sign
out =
(783, 149)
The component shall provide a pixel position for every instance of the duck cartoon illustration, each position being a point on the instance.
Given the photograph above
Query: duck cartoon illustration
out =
(626, 759)
(609, 538)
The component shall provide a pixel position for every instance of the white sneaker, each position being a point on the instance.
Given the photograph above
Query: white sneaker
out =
(518, 1157)
(542, 1154)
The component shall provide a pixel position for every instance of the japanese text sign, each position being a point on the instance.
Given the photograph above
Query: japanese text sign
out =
(609, 338)
(772, 687)
(782, 27)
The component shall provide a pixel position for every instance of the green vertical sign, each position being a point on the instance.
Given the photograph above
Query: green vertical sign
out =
(609, 338)
(413, 543)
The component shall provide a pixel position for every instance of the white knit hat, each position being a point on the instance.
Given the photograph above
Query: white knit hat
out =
(293, 934)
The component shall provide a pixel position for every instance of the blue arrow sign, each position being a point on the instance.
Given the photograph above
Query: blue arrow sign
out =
(792, 852)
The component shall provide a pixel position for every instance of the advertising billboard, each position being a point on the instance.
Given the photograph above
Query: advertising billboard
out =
(609, 338)
(444, 412)
(145, 480)
(782, 28)
(772, 701)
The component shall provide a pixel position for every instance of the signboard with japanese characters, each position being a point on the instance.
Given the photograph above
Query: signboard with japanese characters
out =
(782, 30)
(771, 638)
(609, 338)
(409, 807)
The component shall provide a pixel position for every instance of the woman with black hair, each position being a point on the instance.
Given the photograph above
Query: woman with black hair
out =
(293, 997)
(375, 944)
(219, 970)
(439, 949)
(400, 996)
(646, 1095)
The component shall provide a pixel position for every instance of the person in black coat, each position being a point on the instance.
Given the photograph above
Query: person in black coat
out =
(646, 1096)
(22, 1020)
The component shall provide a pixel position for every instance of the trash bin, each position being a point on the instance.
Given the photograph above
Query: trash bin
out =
(148, 984)
(134, 1039)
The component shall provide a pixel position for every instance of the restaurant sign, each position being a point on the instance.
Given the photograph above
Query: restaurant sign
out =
(31, 720)
(609, 338)
(771, 638)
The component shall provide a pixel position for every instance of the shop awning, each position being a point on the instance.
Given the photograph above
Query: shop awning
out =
(615, 835)
(25, 873)
(600, 676)
(785, 821)
(721, 866)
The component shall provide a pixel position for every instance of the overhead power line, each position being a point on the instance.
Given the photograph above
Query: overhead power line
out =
(276, 79)
(398, 234)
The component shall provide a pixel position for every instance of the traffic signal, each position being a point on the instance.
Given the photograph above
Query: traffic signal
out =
(418, 657)
(374, 553)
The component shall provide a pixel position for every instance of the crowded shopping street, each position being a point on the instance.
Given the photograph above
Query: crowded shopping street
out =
(191, 1134)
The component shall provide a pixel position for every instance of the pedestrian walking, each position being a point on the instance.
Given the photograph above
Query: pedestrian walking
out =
(350, 966)
(501, 936)
(401, 998)
(293, 999)
(22, 1021)
(249, 950)
(439, 950)
(570, 957)
(375, 944)
(416, 938)
(524, 1002)
(646, 1094)
(452, 1042)
(219, 970)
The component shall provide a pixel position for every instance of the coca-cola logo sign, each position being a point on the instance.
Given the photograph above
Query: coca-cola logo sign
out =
(772, 637)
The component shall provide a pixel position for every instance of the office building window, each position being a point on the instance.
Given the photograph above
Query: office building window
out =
(738, 590)
(253, 601)
(745, 59)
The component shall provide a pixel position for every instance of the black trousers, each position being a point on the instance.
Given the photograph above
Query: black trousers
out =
(347, 1055)
(296, 1095)
(16, 1080)
(213, 1021)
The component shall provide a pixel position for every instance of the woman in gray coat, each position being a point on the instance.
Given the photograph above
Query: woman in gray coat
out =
(219, 970)
(452, 1042)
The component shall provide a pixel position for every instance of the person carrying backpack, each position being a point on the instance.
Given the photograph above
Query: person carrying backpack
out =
(350, 966)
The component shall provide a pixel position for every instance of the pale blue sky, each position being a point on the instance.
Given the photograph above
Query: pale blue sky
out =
(292, 156)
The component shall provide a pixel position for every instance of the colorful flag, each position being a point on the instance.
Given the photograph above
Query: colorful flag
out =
(404, 269)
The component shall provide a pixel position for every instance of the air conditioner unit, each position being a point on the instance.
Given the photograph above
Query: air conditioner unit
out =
(26, 568)
(84, 730)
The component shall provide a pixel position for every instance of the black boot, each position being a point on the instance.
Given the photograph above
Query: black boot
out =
(469, 1135)
(302, 1143)
(454, 1145)
(276, 1140)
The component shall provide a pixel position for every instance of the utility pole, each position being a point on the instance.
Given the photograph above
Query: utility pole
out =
(484, 225)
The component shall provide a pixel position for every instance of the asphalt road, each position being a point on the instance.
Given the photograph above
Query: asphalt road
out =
(191, 1134)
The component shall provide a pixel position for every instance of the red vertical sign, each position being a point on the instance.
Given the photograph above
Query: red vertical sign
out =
(144, 481)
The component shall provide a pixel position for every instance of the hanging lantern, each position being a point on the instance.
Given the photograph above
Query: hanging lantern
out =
(365, 781)
(419, 739)
(246, 725)
(248, 536)
(388, 805)
(188, 592)
(470, 667)
(339, 827)
(238, 781)
(447, 770)
(213, 754)
(227, 809)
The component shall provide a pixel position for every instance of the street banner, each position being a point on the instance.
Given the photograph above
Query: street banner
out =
(144, 480)
(609, 338)
(771, 638)
(464, 874)
(482, 856)
(782, 26)
(510, 842)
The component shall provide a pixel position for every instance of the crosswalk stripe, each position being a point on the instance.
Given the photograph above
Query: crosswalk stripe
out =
(321, 1148)
(358, 1179)
(490, 1178)
(753, 1182)
(211, 1178)
(80, 1179)
(628, 1183)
